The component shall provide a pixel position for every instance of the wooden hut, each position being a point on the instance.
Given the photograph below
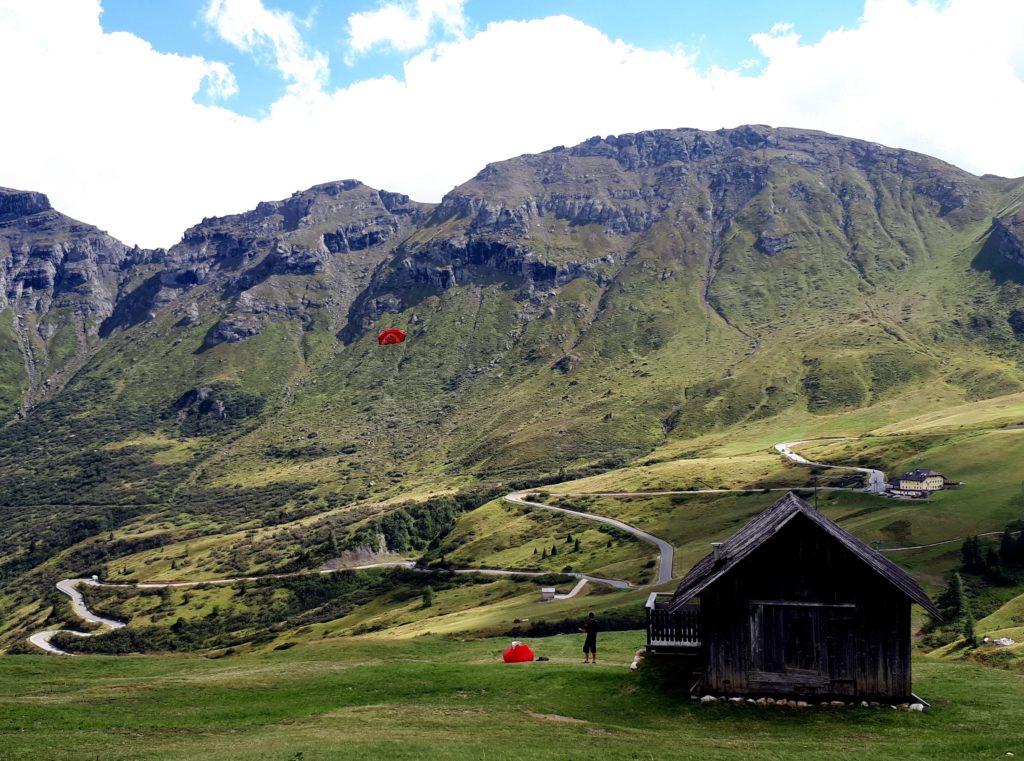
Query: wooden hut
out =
(794, 605)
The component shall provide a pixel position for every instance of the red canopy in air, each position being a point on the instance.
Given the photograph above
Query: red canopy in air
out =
(518, 653)
(390, 336)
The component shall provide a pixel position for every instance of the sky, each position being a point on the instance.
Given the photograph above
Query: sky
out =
(144, 116)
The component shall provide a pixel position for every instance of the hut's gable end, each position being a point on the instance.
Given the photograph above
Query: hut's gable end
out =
(771, 521)
(802, 615)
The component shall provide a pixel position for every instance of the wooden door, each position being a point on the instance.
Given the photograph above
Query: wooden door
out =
(801, 647)
(839, 639)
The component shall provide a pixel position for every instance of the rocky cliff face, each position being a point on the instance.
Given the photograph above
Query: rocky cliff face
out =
(282, 260)
(625, 183)
(60, 278)
(546, 219)
(46, 255)
(1008, 236)
(69, 284)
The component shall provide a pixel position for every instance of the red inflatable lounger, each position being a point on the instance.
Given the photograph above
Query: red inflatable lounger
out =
(518, 653)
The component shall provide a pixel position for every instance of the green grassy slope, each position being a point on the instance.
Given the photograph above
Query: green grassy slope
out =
(503, 535)
(428, 697)
(13, 379)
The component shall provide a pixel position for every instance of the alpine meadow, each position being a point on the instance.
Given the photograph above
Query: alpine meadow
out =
(615, 354)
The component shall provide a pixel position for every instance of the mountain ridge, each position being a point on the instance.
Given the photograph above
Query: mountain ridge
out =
(618, 212)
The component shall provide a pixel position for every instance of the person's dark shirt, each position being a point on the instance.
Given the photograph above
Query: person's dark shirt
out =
(590, 627)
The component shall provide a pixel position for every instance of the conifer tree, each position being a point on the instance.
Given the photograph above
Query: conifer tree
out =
(332, 540)
(970, 554)
(958, 598)
(1007, 547)
(967, 629)
(992, 559)
(576, 545)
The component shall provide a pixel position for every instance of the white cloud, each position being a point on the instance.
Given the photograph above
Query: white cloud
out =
(220, 82)
(251, 27)
(109, 127)
(404, 26)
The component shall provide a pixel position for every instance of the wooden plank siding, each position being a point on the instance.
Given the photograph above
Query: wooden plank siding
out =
(803, 615)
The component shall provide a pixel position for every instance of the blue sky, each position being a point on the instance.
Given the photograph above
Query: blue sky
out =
(717, 33)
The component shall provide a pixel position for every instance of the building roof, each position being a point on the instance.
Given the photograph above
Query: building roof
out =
(766, 524)
(919, 474)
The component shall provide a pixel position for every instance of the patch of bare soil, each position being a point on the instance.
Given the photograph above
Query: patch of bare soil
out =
(555, 717)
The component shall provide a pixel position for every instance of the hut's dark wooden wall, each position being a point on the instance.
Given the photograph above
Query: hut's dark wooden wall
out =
(802, 615)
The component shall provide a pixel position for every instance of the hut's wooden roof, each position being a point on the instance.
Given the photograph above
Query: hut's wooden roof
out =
(766, 524)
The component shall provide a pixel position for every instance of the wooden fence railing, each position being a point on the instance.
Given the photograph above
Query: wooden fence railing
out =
(672, 629)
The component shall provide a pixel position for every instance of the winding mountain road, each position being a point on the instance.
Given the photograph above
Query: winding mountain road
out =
(876, 478)
(666, 552)
(70, 588)
(666, 555)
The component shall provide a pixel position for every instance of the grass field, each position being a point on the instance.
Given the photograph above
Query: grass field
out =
(388, 676)
(434, 698)
(1005, 622)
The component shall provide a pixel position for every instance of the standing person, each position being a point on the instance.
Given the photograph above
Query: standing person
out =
(590, 628)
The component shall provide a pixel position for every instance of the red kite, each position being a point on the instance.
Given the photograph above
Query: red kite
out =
(391, 336)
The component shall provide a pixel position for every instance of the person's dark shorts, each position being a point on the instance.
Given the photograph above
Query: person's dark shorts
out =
(590, 645)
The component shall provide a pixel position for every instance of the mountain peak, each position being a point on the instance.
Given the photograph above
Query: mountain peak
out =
(332, 188)
(21, 203)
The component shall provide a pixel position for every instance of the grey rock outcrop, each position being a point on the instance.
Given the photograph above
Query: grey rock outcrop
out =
(543, 220)
(59, 276)
(332, 235)
(773, 244)
(1008, 236)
